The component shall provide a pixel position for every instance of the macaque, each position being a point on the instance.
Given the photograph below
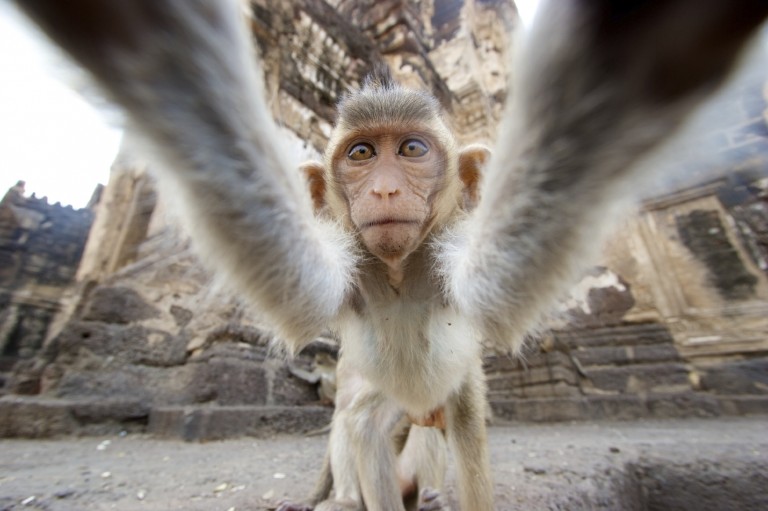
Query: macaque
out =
(410, 260)
(322, 374)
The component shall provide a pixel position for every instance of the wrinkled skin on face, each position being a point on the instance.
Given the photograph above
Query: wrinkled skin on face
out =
(390, 181)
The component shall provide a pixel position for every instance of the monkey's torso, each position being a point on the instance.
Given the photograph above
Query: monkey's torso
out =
(409, 342)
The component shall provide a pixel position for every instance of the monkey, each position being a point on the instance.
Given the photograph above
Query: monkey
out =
(323, 374)
(409, 282)
(422, 465)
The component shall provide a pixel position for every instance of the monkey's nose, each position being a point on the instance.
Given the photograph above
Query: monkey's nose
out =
(386, 192)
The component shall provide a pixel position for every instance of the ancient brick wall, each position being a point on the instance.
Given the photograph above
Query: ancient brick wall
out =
(40, 249)
(672, 323)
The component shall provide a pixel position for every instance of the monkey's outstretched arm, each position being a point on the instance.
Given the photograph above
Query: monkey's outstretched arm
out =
(184, 72)
(598, 85)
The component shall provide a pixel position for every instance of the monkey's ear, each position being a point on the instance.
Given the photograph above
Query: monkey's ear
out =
(472, 160)
(314, 172)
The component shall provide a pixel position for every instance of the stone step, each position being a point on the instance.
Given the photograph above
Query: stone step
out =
(45, 417)
(532, 376)
(625, 355)
(538, 390)
(210, 422)
(667, 377)
(42, 417)
(507, 363)
(628, 407)
(625, 335)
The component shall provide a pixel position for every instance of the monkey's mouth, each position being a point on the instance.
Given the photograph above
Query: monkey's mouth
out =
(387, 221)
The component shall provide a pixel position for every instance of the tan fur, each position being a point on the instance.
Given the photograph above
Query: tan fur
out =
(597, 87)
(472, 160)
(313, 171)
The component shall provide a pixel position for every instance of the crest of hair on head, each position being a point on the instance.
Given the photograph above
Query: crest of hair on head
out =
(381, 103)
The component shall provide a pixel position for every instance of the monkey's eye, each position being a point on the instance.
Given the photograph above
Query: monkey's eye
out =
(413, 148)
(361, 152)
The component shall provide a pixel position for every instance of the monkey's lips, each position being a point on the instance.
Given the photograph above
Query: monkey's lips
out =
(385, 222)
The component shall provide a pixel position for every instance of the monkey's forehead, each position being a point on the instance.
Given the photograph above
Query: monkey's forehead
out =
(387, 107)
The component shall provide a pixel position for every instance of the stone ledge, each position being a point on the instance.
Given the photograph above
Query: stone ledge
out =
(40, 417)
(203, 423)
(624, 335)
(628, 407)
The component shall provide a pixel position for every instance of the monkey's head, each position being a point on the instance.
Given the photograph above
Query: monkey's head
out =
(392, 170)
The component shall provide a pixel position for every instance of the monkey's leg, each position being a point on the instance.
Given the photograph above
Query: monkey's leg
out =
(324, 483)
(468, 438)
(421, 468)
(362, 452)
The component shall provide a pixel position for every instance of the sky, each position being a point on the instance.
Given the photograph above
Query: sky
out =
(50, 136)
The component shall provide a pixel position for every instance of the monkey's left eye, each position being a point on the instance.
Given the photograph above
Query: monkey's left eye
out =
(413, 148)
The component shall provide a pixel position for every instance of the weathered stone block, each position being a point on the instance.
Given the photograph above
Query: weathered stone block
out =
(654, 353)
(506, 363)
(743, 405)
(231, 382)
(686, 404)
(539, 410)
(533, 376)
(34, 418)
(624, 335)
(638, 377)
(118, 305)
(131, 344)
(740, 377)
(205, 423)
(553, 389)
(601, 355)
(616, 407)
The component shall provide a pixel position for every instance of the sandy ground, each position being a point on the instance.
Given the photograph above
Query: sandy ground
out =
(561, 466)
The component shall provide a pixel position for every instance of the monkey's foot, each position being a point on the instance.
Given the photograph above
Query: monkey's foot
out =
(431, 500)
(291, 506)
(338, 505)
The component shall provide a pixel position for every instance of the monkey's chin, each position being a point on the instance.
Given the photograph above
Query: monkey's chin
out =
(391, 242)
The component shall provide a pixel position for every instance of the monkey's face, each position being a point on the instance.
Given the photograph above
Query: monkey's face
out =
(390, 182)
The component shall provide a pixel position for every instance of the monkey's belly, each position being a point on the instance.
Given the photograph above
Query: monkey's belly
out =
(418, 360)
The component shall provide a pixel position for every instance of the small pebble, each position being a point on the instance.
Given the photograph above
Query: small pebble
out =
(63, 494)
(535, 470)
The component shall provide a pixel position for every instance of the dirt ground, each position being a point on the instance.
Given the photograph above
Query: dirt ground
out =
(717, 464)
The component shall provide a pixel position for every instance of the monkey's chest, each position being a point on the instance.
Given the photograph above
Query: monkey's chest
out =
(418, 354)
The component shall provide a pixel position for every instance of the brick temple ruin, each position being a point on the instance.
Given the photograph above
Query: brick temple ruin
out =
(127, 332)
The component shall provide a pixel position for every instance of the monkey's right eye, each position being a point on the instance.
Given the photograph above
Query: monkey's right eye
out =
(361, 152)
